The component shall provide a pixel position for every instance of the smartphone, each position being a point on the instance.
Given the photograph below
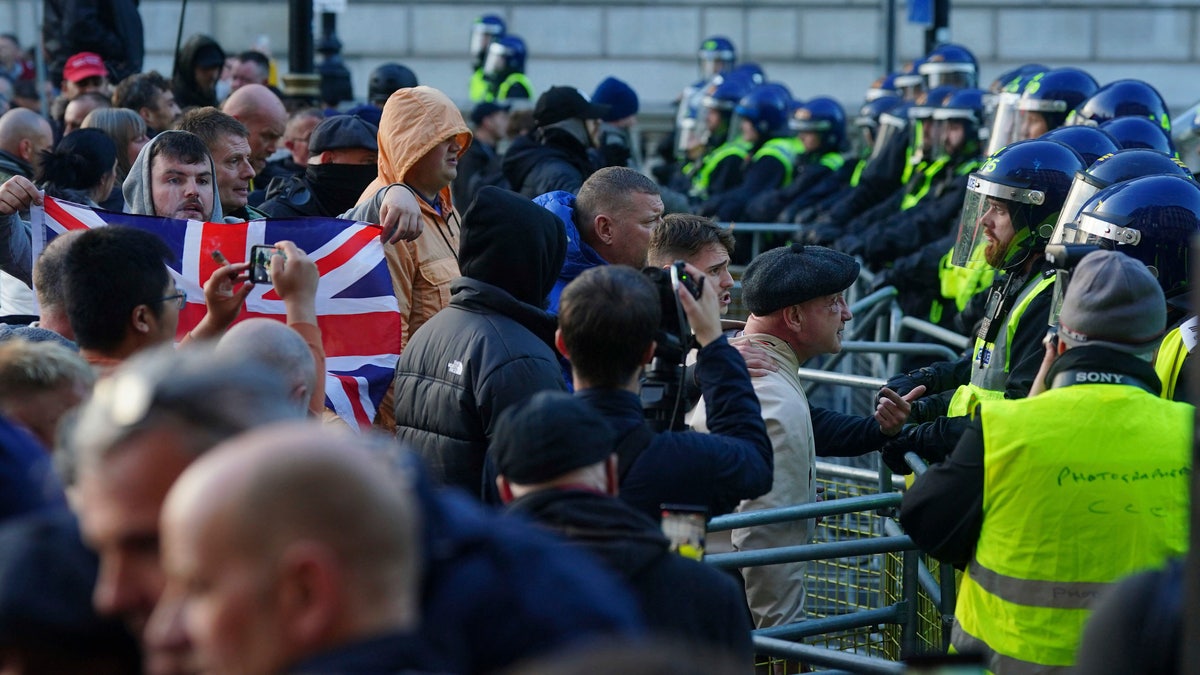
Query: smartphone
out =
(260, 263)
(685, 527)
(681, 277)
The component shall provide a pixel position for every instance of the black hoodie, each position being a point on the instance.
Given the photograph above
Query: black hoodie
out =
(187, 92)
(680, 598)
(492, 346)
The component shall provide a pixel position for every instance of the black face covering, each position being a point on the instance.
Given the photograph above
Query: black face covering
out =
(338, 186)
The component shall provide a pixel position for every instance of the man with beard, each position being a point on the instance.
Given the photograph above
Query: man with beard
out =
(1011, 207)
(342, 154)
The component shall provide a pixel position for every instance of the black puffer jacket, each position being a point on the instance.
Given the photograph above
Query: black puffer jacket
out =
(492, 346)
(110, 28)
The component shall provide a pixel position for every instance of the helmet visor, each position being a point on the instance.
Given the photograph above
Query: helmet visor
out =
(1185, 131)
(1082, 189)
(480, 39)
(714, 63)
(995, 203)
(889, 127)
(1004, 123)
(497, 60)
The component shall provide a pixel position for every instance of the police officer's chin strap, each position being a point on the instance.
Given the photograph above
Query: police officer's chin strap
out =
(1007, 287)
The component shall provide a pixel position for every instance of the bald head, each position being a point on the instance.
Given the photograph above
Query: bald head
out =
(257, 107)
(277, 346)
(24, 133)
(298, 517)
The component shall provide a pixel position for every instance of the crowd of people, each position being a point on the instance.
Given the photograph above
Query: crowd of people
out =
(176, 501)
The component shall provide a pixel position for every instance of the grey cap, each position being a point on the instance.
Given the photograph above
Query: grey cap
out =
(1113, 301)
(343, 131)
(790, 275)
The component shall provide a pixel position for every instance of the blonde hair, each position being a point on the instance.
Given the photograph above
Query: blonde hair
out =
(27, 367)
(122, 125)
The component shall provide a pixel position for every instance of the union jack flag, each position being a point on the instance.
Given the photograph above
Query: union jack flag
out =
(357, 310)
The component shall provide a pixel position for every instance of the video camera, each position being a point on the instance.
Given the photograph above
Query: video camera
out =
(663, 383)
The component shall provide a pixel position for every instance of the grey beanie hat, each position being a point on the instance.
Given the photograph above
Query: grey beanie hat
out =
(790, 275)
(1113, 301)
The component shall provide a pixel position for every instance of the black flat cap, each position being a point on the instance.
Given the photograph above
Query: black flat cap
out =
(548, 435)
(790, 275)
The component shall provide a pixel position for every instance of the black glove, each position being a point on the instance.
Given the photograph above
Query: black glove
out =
(894, 450)
(927, 409)
(937, 377)
(905, 382)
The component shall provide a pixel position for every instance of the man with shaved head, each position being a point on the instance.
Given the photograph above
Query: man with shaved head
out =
(279, 347)
(292, 548)
(263, 114)
(23, 136)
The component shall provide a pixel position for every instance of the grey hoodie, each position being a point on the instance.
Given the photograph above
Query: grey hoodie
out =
(139, 198)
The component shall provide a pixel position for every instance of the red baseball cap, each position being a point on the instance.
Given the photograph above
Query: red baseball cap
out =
(84, 65)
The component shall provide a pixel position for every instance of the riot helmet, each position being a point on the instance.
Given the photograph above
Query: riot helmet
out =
(909, 83)
(1013, 201)
(1003, 80)
(717, 104)
(717, 55)
(866, 124)
(950, 64)
(920, 118)
(823, 117)
(892, 123)
(882, 87)
(766, 109)
(1139, 132)
(388, 78)
(1091, 143)
(505, 57)
(963, 107)
(1005, 123)
(1122, 98)
(1152, 218)
(1049, 97)
(1117, 167)
(484, 31)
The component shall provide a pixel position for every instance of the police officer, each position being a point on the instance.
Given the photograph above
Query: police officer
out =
(342, 161)
(486, 29)
(504, 71)
(1011, 206)
(1153, 219)
(1047, 509)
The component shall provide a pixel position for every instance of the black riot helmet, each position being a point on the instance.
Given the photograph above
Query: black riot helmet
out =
(1123, 98)
(1113, 168)
(1140, 132)
(1091, 143)
(386, 79)
(1152, 218)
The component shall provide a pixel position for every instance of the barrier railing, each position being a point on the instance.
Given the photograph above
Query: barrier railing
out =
(911, 613)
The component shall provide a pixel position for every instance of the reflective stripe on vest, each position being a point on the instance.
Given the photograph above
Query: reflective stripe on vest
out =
(988, 377)
(1169, 360)
(784, 151)
(911, 197)
(512, 81)
(834, 161)
(1067, 510)
(710, 163)
(962, 642)
(858, 169)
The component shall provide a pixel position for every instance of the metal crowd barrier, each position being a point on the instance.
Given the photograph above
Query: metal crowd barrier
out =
(872, 596)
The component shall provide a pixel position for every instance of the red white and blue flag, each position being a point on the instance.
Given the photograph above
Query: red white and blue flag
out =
(357, 310)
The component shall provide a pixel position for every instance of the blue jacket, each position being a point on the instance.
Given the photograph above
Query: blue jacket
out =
(580, 256)
(715, 470)
(28, 483)
(496, 590)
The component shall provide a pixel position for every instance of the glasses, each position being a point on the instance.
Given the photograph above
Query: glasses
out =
(180, 299)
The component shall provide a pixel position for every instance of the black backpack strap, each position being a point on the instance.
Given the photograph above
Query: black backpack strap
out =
(630, 447)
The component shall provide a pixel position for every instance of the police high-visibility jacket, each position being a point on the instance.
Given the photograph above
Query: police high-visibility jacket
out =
(480, 89)
(1172, 354)
(503, 91)
(1083, 485)
(991, 362)
(738, 150)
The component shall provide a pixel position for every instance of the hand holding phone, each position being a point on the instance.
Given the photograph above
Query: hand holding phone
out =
(260, 263)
